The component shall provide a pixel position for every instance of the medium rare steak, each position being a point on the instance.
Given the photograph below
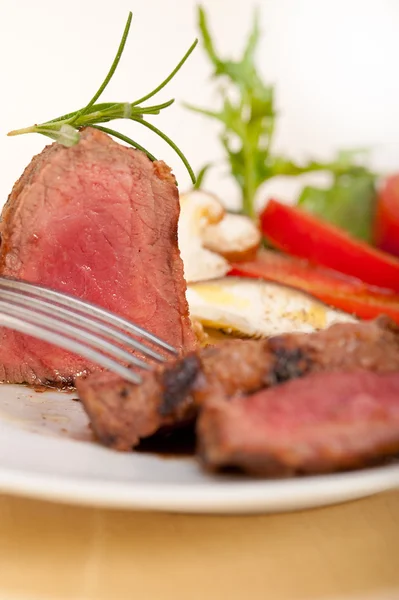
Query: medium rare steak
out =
(322, 422)
(99, 221)
(231, 368)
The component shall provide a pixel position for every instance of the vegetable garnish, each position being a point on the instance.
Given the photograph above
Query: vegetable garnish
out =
(248, 117)
(386, 226)
(65, 129)
(350, 202)
(300, 234)
(345, 293)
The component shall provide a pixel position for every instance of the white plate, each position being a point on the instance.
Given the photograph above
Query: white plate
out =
(46, 451)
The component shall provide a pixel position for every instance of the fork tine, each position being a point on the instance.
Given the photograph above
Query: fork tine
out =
(87, 309)
(41, 333)
(54, 325)
(71, 316)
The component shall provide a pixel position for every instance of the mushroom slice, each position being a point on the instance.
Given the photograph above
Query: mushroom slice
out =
(235, 237)
(198, 210)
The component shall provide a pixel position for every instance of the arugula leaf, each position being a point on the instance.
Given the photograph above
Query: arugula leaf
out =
(201, 176)
(349, 204)
(248, 118)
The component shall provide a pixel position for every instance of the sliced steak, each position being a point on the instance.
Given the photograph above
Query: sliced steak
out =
(99, 221)
(122, 413)
(322, 422)
(246, 366)
(231, 368)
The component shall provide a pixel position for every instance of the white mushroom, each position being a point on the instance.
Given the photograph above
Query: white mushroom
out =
(209, 237)
(198, 210)
(235, 237)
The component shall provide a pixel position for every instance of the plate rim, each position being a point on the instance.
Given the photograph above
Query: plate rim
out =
(259, 496)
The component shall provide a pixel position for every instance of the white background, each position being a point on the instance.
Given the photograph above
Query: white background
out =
(334, 62)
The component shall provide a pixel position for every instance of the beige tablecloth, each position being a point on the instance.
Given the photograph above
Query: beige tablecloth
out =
(50, 551)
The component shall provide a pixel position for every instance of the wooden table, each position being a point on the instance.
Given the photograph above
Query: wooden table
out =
(347, 552)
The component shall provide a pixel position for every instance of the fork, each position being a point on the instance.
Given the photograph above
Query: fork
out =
(79, 327)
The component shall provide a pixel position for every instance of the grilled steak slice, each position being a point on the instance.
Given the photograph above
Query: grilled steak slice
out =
(98, 220)
(122, 413)
(231, 368)
(322, 422)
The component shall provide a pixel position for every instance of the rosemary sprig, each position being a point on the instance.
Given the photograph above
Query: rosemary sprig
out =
(66, 129)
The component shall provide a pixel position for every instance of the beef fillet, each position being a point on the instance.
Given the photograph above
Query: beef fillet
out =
(121, 413)
(99, 221)
(320, 423)
(234, 367)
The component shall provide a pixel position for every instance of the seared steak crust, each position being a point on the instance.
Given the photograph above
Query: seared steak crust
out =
(99, 221)
(235, 367)
(122, 413)
(239, 366)
(177, 383)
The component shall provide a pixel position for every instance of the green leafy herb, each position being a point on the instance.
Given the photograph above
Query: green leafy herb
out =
(248, 117)
(201, 175)
(349, 203)
(249, 120)
(65, 129)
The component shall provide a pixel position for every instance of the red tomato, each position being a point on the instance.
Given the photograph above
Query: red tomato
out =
(298, 233)
(386, 232)
(345, 293)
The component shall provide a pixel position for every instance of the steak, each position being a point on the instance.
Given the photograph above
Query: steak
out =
(232, 368)
(121, 413)
(99, 221)
(320, 423)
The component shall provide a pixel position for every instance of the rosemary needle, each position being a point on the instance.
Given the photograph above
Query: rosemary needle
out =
(124, 138)
(172, 145)
(110, 72)
(66, 129)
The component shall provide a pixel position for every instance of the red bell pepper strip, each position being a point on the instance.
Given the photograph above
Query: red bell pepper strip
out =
(386, 227)
(350, 295)
(300, 234)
